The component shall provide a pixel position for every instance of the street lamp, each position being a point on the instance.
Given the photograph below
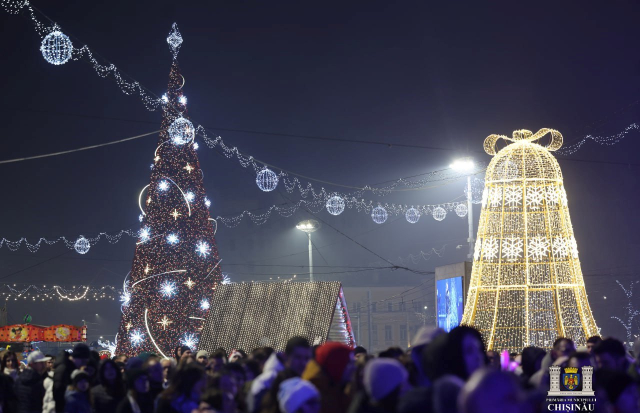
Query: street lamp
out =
(309, 226)
(467, 165)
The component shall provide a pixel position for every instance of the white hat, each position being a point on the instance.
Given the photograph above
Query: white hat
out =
(294, 393)
(382, 376)
(37, 357)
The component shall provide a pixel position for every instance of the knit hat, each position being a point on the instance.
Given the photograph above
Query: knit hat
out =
(202, 353)
(81, 351)
(294, 393)
(333, 357)
(382, 376)
(425, 335)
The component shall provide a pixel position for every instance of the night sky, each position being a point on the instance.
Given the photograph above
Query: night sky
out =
(417, 73)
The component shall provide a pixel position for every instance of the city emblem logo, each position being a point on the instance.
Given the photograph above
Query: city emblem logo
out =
(571, 378)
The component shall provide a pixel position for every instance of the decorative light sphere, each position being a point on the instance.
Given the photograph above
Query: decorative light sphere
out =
(439, 213)
(168, 289)
(379, 215)
(207, 202)
(204, 304)
(267, 180)
(412, 215)
(172, 239)
(335, 205)
(190, 196)
(203, 249)
(163, 185)
(82, 245)
(461, 210)
(56, 48)
(181, 131)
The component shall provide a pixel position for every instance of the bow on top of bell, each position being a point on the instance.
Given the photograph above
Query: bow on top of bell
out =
(525, 135)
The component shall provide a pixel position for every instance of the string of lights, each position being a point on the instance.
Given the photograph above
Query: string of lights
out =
(601, 140)
(81, 244)
(56, 292)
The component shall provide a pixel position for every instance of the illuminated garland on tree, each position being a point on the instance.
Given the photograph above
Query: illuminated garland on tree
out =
(176, 263)
(630, 326)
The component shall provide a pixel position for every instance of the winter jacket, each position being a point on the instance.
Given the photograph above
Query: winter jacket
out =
(48, 404)
(263, 382)
(103, 401)
(76, 402)
(62, 379)
(334, 398)
(143, 404)
(8, 401)
(29, 388)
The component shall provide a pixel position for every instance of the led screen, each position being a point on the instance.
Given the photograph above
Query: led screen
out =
(449, 302)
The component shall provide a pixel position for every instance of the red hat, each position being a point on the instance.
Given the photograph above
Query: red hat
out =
(333, 357)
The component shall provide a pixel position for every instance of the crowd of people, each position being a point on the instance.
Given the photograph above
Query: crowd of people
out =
(440, 373)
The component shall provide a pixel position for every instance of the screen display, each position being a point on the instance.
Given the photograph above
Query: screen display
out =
(449, 303)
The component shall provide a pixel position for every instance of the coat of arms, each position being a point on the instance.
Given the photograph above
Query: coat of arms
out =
(571, 378)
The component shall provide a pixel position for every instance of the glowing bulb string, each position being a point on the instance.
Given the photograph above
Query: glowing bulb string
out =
(14, 245)
(152, 102)
(75, 293)
(601, 140)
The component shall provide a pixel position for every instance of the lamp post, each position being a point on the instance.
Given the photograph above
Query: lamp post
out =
(309, 226)
(467, 165)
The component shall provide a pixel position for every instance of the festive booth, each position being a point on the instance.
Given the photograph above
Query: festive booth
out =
(26, 333)
(249, 315)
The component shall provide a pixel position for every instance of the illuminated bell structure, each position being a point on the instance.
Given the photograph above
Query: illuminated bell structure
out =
(526, 286)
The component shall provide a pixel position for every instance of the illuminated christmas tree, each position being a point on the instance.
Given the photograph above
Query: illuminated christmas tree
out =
(526, 286)
(175, 267)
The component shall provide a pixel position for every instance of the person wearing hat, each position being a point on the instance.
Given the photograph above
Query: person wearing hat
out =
(64, 367)
(329, 372)
(202, 358)
(77, 395)
(298, 396)
(138, 399)
(29, 385)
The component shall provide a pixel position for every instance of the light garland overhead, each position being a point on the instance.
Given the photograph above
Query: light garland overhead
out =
(34, 292)
(526, 285)
(600, 140)
(81, 244)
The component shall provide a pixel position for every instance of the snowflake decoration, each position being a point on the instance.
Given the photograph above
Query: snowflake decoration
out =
(512, 248)
(125, 298)
(535, 196)
(163, 185)
(495, 197)
(144, 234)
(207, 202)
(485, 197)
(204, 304)
(203, 249)
(136, 337)
(225, 279)
(172, 239)
(190, 340)
(513, 196)
(490, 248)
(168, 288)
(563, 196)
(190, 196)
(477, 249)
(182, 100)
(140, 217)
(165, 98)
(574, 248)
(538, 247)
(560, 247)
(195, 145)
(552, 196)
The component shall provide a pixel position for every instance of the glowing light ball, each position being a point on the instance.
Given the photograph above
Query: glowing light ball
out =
(439, 213)
(335, 205)
(379, 215)
(267, 180)
(412, 215)
(181, 131)
(56, 48)
(82, 245)
(461, 210)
